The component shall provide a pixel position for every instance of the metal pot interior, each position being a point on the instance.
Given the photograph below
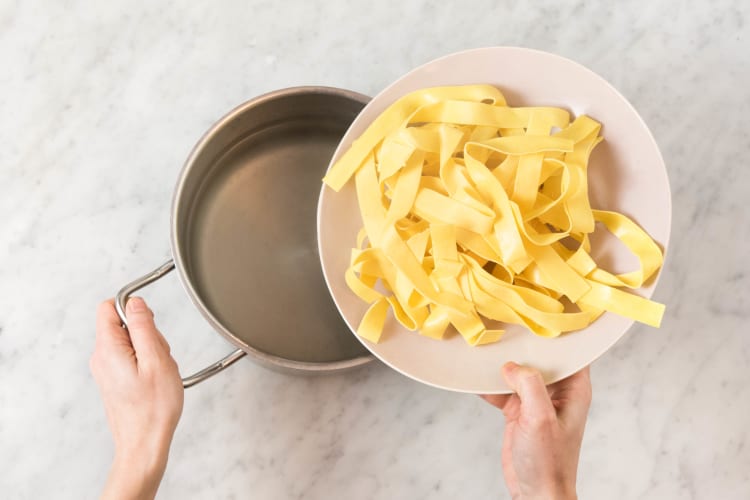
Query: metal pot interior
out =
(243, 228)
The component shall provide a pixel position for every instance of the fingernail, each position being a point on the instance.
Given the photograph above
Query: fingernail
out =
(136, 304)
(510, 367)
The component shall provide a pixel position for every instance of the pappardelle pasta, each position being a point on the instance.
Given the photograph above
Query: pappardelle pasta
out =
(474, 210)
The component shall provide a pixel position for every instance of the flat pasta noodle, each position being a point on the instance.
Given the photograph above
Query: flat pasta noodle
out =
(465, 202)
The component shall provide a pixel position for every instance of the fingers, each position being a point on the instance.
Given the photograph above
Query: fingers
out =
(574, 395)
(581, 382)
(146, 338)
(529, 385)
(113, 347)
(496, 400)
(109, 330)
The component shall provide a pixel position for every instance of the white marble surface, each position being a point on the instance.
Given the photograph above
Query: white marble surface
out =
(100, 103)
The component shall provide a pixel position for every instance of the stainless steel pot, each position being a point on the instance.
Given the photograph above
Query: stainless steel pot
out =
(243, 232)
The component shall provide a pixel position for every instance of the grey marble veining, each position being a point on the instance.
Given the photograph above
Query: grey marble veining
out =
(102, 102)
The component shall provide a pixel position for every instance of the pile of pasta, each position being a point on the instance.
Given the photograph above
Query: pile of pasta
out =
(474, 210)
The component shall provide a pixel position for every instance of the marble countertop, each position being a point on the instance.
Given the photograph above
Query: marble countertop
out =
(101, 103)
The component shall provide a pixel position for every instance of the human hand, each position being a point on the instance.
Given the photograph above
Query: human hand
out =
(543, 432)
(142, 394)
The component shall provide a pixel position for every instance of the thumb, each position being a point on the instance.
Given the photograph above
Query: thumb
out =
(529, 385)
(146, 339)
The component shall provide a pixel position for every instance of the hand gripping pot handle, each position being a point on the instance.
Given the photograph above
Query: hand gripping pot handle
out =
(122, 297)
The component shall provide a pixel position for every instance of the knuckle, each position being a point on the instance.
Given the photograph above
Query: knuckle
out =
(542, 420)
(159, 366)
(150, 372)
(169, 364)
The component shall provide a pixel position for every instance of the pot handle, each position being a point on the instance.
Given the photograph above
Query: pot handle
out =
(121, 299)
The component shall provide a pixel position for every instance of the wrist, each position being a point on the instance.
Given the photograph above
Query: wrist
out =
(553, 495)
(135, 476)
(145, 455)
(550, 490)
(559, 492)
(140, 465)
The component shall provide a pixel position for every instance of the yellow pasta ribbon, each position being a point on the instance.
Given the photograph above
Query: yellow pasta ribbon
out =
(466, 203)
